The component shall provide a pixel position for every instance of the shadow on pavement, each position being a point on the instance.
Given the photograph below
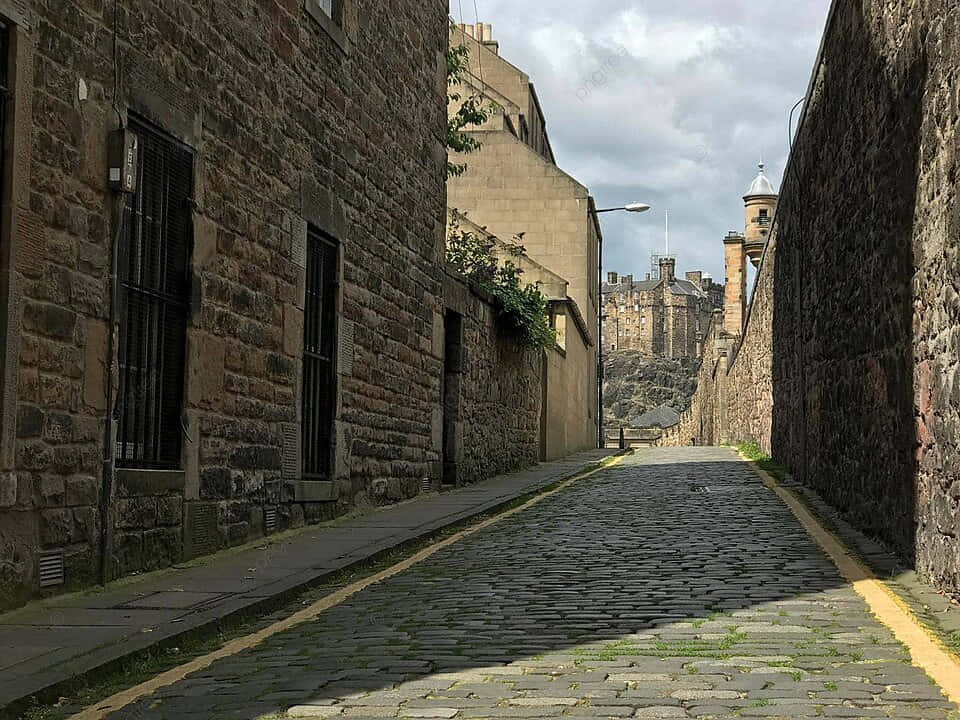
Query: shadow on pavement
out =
(665, 568)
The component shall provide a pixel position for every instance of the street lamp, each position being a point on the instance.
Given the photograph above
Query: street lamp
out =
(634, 207)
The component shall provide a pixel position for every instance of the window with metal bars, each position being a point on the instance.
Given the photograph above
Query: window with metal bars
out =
(319, 350)
(154, 282)
(4, 97)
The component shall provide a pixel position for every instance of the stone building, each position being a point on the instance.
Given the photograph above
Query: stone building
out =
(513, 185)
(663, 317)
(760, 205)
(260, 362)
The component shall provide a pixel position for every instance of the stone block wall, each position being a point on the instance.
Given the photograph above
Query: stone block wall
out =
(493, 407)
(849, 369)
(295, 120)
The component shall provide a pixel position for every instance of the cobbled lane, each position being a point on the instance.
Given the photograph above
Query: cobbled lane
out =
(673, 585)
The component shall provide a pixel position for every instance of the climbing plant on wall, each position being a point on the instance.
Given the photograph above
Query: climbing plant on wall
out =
(521, 307)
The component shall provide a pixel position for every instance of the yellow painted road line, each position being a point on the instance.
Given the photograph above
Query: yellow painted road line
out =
(926, 651)
(131, 695)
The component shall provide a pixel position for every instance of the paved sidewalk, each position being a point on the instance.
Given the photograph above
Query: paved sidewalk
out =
(46, 644)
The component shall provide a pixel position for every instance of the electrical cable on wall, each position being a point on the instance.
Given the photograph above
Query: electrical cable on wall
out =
(116, 64)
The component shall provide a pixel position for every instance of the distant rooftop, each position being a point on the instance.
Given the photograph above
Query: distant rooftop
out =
(662, 417)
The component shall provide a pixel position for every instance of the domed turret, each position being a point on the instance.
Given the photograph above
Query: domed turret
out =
(761, 204)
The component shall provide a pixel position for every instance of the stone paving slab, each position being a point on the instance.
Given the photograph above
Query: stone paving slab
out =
(629, 594)
(49, 643)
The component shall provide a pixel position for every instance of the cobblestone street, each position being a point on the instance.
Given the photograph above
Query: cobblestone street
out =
(673, 585)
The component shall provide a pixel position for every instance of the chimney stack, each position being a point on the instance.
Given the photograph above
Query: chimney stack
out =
(668, 267)
(482, 33)
(735, 286)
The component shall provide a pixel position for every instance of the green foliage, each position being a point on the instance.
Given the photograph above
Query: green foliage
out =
(521, 308)
(752, 452)
(472, 110)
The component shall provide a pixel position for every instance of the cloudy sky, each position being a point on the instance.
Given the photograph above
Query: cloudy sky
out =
(668, 102)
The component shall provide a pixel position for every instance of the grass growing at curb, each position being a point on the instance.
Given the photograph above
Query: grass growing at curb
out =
(753, 453)
(88, 690)
(949, 640)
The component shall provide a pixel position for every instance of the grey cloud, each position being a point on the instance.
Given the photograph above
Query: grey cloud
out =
(678, 120)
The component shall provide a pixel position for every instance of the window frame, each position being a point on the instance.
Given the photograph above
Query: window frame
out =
(331, 23)
(163, 300)
(320, 346)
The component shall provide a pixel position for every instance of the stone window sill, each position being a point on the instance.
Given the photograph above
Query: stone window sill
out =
(315, 491)
(329, 25)
(133, 482)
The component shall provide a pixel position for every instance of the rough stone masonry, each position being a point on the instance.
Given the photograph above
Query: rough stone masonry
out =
(849, 366)
(297, 123)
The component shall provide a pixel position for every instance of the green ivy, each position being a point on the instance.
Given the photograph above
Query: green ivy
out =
(521, 308)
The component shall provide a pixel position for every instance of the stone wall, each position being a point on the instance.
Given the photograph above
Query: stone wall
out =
(296, 119)
(848, 371)
(493, 402)
(704, 422)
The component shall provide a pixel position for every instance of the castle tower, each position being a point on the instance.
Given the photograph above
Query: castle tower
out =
(761, 203)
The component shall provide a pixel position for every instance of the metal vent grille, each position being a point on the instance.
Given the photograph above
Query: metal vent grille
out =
(270, 519)
(201, 529)
(299, 251)
(426, 485)
(346, 350)
(51, 570)
(291, 452)
(153, 256)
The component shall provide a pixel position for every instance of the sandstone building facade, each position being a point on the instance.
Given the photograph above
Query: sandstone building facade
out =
(512, 186)
(259, 362)
(664, 317)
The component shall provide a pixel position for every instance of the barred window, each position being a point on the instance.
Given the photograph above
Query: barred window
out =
(153, 274)
(319, 342)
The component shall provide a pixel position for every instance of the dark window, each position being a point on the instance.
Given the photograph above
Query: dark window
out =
(4, 96)
(763, 213)
(331, 10)
(319, 343)
(153, 256)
